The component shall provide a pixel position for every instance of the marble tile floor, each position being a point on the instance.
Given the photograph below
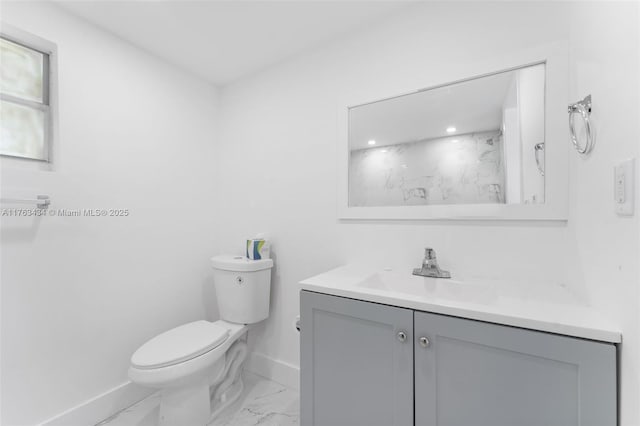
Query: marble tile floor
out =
(262, 402)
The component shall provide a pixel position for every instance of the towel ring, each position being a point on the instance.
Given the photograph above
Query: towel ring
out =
(583, 108)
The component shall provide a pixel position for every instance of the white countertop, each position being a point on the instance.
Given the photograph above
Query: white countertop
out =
(542, 307)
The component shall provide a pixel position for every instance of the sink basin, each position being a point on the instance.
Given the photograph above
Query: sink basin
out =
(426, 287)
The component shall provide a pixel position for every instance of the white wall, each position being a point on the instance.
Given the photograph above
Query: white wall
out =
(531, 123)
(278, 157)
(282, 125)
(603, 249)
(511, 145)
(79, 295)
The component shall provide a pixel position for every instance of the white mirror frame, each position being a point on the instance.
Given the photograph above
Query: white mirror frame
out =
(555, 56)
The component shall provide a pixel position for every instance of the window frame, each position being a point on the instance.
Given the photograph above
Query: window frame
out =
(49, 96)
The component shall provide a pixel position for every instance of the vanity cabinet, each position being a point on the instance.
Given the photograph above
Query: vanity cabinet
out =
(364, 363)
(482, 374)
(354, 369)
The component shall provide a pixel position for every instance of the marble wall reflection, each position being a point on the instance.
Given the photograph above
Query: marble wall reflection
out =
(464, 169)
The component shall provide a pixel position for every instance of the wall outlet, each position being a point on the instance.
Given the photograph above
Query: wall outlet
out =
(624, 187)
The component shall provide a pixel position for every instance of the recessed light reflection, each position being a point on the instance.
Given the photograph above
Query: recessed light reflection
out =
(455, 141)
(371, 142)
(451, 129)
(383, 150)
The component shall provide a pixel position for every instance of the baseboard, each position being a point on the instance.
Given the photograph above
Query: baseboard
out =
(100, 407)
(273, 369)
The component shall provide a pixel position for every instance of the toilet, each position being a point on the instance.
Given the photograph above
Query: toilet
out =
(197, 366)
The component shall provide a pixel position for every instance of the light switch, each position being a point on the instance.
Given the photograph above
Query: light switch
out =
(624, 187)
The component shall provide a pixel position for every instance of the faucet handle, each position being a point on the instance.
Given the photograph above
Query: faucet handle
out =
(429, 253)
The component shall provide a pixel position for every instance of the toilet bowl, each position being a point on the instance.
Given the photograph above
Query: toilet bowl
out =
(197, 366)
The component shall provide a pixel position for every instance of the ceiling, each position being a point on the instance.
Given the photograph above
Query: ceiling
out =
(223, 41)
(470, 106)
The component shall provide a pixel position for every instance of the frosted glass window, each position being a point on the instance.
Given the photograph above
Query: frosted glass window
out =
(22, 131)
(22, 72)
(24, 101)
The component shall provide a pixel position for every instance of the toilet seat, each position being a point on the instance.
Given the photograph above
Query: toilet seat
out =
(180, 344)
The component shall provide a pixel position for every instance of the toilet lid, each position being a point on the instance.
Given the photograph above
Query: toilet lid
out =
(180, 344)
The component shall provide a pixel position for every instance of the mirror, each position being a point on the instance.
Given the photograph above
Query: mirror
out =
(477, 141)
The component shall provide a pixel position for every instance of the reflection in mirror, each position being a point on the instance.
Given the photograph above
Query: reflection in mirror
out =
(479, 141)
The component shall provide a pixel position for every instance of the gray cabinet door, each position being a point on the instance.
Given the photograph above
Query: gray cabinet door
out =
(479, 374)
(355, 371)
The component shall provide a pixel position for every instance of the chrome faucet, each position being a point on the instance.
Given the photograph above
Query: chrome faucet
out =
(430, 266)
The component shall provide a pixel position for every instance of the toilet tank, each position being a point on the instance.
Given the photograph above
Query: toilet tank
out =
(243, 288)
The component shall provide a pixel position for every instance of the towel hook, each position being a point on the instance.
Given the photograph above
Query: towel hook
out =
(583, 108)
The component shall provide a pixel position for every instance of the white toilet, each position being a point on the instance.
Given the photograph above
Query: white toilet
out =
(197, 365)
